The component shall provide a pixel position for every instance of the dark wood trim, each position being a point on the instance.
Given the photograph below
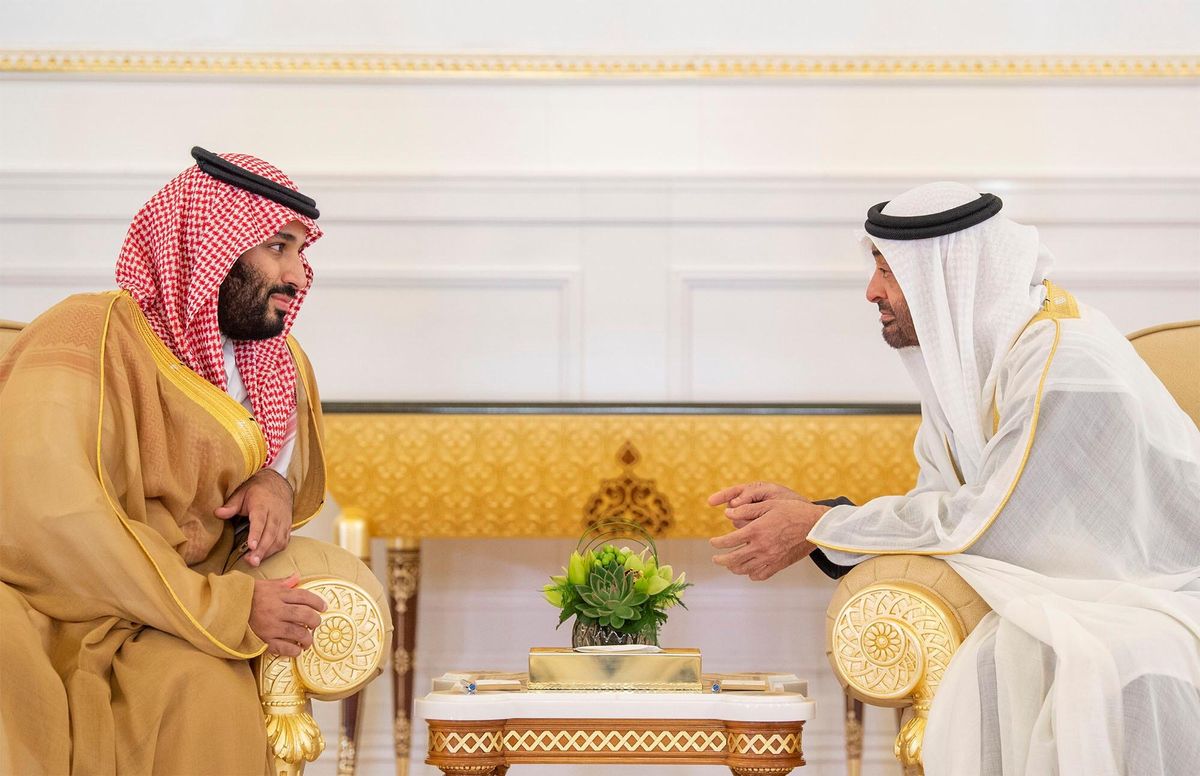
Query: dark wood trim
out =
(611, 408)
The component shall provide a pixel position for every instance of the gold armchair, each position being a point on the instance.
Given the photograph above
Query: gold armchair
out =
(895, 621)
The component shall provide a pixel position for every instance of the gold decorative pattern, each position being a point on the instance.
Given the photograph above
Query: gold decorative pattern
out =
(402, 65)
(854, 736)
(349, 643)
(888, 639)
(404, 575)
(466, 742)
(765, 743)
(347, 760)
(402, 735)
(893, 641)
(526, 475)
(293, 736)
(615, 741)
(629, 497)
(743, 746)
(401, 660)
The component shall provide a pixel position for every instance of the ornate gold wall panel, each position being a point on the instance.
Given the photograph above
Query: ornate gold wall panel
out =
(532, 475)
(383, 65)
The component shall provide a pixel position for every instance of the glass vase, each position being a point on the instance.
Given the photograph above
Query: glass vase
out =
(588, 633)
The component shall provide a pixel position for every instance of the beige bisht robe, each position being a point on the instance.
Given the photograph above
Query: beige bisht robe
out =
(124, 645)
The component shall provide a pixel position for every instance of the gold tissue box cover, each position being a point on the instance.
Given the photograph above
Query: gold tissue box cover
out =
(671, 670)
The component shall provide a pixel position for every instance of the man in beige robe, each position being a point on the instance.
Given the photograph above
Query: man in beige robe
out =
(136, 426)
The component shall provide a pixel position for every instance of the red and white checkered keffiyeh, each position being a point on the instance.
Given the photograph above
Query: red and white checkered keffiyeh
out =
(179, 249)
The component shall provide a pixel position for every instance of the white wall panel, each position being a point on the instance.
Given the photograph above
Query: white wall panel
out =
(773, 336)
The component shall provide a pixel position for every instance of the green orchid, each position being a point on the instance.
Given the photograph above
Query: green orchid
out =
(577, 568)
(553, 595)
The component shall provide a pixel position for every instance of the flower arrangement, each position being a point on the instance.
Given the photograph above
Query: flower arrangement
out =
(617, 596)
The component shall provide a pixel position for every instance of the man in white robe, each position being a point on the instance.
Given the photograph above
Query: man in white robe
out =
(1057, 476)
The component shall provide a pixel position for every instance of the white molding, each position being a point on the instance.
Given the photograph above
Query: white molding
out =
(792, 200)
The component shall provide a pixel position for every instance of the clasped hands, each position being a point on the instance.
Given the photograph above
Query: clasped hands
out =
(771, 525)
(280, 615)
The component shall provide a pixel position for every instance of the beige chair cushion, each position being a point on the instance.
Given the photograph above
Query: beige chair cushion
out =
(1172, 351)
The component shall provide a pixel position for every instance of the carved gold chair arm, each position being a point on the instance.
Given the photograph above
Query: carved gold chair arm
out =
(892, 627)
(347, 650)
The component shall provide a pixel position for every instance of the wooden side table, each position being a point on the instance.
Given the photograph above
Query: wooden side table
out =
(757, 733)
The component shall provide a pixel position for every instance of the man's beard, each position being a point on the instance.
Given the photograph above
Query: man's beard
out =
(900, 333)
(244, 309)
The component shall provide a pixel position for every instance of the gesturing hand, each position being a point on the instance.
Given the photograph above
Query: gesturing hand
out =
(770, 536)
(266, 498)
(283, 616)
(743, 500)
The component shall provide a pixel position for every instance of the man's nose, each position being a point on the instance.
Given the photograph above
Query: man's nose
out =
(293, 273)
(875, 289)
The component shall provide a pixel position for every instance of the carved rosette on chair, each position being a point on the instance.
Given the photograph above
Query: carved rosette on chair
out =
(892, 627)
(348, 647)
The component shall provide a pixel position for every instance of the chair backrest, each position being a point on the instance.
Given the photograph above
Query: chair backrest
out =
(8, 334)
(1172, 351)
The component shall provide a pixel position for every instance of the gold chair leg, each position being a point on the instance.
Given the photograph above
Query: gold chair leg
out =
(854, 736)
(404, 573)
(349, 728)
(292, 734)
(912, 735)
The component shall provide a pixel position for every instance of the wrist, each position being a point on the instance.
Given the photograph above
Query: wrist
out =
(280, 477)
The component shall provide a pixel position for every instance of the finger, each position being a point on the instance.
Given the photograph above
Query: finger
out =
(749, 511)
(306, 598)
(290, 582)
(283, 536)
(739, 558)
(730, 540)
(301, 615)
(763, 573)
(296, 634)
(270, 543)
(741, 523)
(755, 491)
(723, 496)
(232, 507)
(258, 524)
(285, 648)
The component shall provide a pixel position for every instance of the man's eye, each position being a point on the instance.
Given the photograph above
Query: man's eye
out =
(277, 247)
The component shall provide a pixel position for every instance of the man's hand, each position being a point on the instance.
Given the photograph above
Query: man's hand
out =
(283, 616)
(771, 535)
(745, 502)
(266, 498)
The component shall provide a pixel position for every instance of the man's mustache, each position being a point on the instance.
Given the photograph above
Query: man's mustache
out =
(286, 290)
(886, 308)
